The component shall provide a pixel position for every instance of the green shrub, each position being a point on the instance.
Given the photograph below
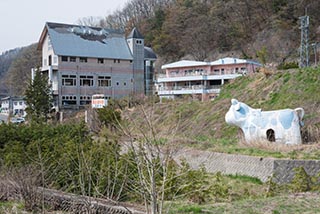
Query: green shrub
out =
(287, 65)
(246, 178)
(272, 187)
(219, 189)
(109, 116)
(190, 209)
(301, 181)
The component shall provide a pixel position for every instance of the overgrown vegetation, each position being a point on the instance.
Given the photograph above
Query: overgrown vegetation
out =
(67, 157)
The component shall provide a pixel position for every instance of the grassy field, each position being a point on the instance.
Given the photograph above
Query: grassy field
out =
(287, 204)
(9, 207)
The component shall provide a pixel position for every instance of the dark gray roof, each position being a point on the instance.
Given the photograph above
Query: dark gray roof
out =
(84, 41)
(135, 34)
(149, 54)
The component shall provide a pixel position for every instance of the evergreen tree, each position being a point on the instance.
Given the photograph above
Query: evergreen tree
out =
(38, 98)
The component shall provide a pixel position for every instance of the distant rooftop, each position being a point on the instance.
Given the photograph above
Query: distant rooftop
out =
(226, 60)
(184, 63)
(230, 60)
(135, 34)
(149, 54)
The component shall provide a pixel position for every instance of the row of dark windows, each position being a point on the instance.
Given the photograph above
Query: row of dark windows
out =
(86, 80)
(85, 59)
(72, 100)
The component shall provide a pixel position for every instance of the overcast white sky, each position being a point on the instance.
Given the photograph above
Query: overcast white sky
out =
(21, 21)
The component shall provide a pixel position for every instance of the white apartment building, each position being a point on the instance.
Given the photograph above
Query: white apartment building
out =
(201, 80)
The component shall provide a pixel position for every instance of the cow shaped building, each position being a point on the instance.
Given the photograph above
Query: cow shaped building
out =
(81, 61)
(281, 126)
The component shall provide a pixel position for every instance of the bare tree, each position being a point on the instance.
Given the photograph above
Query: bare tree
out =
(152, 157)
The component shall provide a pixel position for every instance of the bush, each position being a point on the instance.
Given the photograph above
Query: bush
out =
(287, 65)
(301, 181)
(109, 116)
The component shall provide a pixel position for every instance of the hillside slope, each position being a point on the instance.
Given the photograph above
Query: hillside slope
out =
(194, 121)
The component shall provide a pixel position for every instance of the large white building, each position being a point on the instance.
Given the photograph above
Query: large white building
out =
(202, 80)
(81, 61)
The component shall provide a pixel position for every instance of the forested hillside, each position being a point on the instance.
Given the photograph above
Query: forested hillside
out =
(264, 30)
(6, 60)
(14, 78)
(205, 29)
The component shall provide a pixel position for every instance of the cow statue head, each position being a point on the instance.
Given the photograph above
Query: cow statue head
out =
(237, 114)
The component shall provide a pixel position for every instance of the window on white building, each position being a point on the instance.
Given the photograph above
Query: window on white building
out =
(55, 59)
(86, 80)
(49, 44)
(73, 59)
(104, 81)
(100, 61)
(69, 100)
(85, 100)
(64, 58)
(83, 59)
(69, 80)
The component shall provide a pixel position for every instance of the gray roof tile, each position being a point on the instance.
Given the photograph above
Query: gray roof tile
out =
(83, 41)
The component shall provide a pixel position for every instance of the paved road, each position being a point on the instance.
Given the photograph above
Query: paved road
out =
(4, 117)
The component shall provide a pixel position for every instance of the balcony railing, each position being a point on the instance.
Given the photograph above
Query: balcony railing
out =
(193, 87)
(200, 73)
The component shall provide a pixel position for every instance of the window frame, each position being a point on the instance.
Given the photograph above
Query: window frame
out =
(64, 58)
(86, 79)
(83, 59)
(69, 78)
(73, 59)
(104, 79)
(100, 61)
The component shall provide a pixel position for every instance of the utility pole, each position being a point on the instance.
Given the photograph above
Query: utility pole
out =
(304, 45)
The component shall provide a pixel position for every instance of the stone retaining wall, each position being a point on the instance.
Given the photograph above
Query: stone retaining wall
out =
(261, 168)
(284, 169)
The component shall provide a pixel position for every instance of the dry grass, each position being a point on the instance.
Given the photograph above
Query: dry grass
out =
(303, 151)
(286, 204)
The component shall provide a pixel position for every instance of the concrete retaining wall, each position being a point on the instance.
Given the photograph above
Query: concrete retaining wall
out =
(284, 169)
(261, 168)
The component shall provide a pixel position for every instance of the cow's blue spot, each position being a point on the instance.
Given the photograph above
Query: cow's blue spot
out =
(286, 118)
(273, 122)
(242, 111)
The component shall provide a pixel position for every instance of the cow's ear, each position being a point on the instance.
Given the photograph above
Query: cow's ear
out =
(237, 107)
(235, 104)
